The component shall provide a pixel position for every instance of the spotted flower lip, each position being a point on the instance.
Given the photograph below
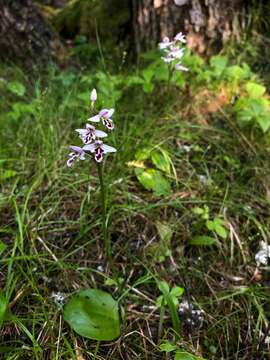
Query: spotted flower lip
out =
(99, 149)
(105, 116)
(90, 133)
(77, 154)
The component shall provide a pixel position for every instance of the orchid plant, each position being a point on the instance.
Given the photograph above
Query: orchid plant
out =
(95, 149)
(173, 53)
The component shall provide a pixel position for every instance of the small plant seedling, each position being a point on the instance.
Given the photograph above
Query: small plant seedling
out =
(169, 298)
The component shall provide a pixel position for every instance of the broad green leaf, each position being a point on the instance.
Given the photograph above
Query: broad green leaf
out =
(161, 161)
(237, 73)
(16, 88)
(163, 287)
(7, 174)
(183, 355)
(177, 291)
(202, 240)
(255, 90)
(219, 64)
(219, 228)
(210, 225)
(264, 121)
(143, 154)
(93, 314)
(153, 180)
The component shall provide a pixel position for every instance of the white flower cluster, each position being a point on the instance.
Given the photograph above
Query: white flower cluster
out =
(90, 135)
(174, 51)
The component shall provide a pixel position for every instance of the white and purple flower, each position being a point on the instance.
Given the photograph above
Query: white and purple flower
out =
(90, 133)
(99, 149)
(76, 154)
(105, 116)
(173, 51)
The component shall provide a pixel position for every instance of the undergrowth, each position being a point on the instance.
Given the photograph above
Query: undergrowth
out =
(193, 216)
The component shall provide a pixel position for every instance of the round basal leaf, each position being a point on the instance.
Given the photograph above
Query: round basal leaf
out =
(93, 314)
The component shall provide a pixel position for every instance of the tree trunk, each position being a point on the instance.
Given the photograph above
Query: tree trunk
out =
(25, 36)
(207, 23)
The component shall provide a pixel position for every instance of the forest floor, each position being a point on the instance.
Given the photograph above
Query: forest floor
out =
(50, 225)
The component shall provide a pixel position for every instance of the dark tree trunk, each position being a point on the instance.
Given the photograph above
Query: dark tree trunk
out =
(25, 36)
(207, 23)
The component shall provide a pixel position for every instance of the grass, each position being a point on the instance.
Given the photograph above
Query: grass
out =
(51, 224)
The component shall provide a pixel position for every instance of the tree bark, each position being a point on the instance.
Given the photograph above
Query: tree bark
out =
(208, 24)
(25, 36)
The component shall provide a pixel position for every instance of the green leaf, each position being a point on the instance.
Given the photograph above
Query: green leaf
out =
(153, 180)
(162, 161)
(165, 232)
(177, 291)
(202, 240)
(219, 64)
(164, 287)
(16, 88)
(255, 90)
(221, 231)
(3, 308)
(93, 314)
(2, 247)
(183, 355)
(167, 347)
(264, 121)
(210, 225)
(148, 87)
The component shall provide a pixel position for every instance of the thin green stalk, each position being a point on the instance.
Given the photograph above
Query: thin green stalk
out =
(161, 320)
(103, 199)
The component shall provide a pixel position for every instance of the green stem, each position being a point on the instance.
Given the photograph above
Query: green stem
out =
(161, 320)
(103, 194)
(174, 315)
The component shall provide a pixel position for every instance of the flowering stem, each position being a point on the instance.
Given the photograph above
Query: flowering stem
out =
(103, 205)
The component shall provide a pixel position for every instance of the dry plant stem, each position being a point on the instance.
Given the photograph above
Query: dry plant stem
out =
(103, 199)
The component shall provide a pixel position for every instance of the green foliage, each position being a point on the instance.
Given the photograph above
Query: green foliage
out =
(169, 298)
(253, 108)
(180, 354)
(3, 308)
(93, 314)
(154, 170)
